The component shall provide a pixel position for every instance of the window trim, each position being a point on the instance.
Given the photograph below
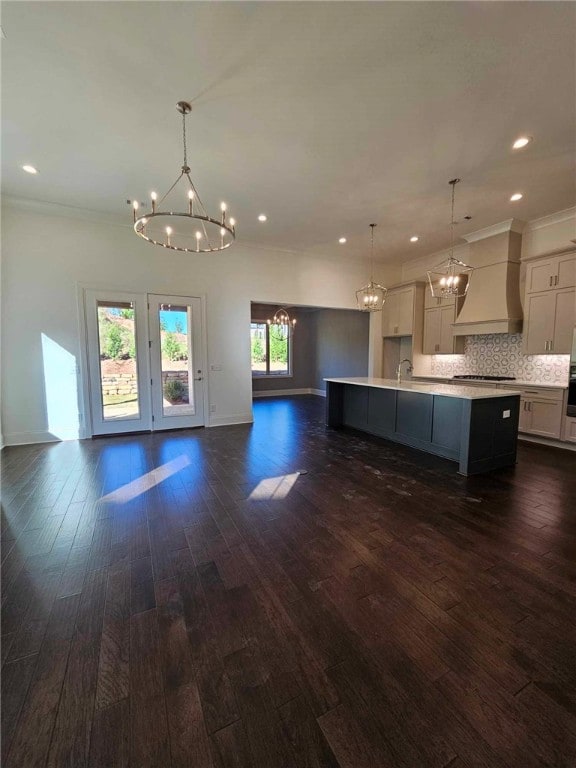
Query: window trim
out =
(268, 375)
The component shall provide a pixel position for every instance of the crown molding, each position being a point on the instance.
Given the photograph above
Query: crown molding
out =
(509, 225)
(551, 219)
(48, 208)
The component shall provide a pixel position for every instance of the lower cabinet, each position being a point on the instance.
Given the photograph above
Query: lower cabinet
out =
(542, 413)
(569, 434)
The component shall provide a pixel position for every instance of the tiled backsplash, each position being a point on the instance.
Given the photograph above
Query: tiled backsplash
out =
(500, 354)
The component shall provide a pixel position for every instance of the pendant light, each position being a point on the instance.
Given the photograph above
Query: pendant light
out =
(450, 279)
(189, 229)
(372, 296)
(282, 326)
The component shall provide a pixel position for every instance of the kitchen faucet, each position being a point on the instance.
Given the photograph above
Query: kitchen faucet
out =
(408, 370)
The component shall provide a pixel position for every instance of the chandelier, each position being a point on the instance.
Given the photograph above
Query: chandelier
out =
(372, 296)
(451, 278)
(191, 230)
(281, 325)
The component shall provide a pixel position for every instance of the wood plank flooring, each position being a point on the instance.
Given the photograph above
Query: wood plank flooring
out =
(284, 595)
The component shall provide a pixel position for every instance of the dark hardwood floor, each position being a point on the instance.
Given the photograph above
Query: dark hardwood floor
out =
(190, 599)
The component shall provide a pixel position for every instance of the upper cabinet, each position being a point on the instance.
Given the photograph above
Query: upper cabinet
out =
(439, 318)
(398, 313)
(551, 273)
(550, 305)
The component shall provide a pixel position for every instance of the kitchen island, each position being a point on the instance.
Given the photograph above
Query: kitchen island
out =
(474, 426)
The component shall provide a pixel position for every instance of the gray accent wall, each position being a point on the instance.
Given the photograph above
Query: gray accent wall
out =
(327, 342)
(303, 352)
(341, 344)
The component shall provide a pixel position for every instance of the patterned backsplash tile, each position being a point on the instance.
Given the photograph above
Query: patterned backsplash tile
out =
(500, 354)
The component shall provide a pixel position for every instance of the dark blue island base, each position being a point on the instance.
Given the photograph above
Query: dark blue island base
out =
(480, 434)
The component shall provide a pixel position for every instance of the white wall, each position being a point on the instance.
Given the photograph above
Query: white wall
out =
(47, 253)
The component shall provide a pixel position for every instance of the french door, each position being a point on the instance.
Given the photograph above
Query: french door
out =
(145, 361)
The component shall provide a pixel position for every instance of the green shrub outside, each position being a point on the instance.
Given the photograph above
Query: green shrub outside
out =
(174, 390)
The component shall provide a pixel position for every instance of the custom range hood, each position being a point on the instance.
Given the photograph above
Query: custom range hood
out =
(492, 304)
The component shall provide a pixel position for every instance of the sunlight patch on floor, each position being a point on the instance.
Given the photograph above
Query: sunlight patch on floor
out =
(274, 487)
(142, 484)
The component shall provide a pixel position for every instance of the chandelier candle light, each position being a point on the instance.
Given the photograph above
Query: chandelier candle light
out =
(371, 297)
(451, 278)
(191, 230)
(281, 325)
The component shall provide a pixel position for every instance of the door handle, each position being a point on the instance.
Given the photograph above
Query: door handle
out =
(555, 279)
(199, 378)
(550, 281)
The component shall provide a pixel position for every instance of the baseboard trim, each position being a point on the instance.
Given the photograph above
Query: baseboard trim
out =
(31, 438)
(547, 441)
(224, 421)
(288, 392)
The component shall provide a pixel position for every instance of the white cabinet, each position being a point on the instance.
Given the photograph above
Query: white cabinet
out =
(551, 273)
(398, 312)
(541, 411)
(569, 434)
(549, 322)
(439, 336)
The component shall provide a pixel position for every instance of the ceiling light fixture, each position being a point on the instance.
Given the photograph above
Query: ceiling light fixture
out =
(521, 142)
(371, 297)
(282, 326)
(29, 169)
(183, 233)
(262, 217)
(451, 278)
(516, 196)
(414, 239)
(342, 240)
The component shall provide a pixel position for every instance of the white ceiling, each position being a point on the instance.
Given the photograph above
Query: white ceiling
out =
(325, 116)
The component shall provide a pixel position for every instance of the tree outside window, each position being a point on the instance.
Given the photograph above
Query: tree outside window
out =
(270, 352)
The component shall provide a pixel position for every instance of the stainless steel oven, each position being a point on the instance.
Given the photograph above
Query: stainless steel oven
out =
(571, 409)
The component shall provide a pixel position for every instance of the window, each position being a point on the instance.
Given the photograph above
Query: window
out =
(271, 353)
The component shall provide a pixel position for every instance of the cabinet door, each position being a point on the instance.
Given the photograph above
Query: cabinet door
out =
(563, 322)
(432, 331)
(565, 271)
(525, 416)
(446, 330)
(405, 325)
(545, 418)
(540, 275)
(539, 323)
(430, 301)
(390, 314)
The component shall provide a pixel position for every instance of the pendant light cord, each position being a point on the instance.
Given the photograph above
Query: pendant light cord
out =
(372, 254)
(184, 138)
(452, 183)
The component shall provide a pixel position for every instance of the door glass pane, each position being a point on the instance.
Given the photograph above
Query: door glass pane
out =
(279, 350)
(258, 347)
(118, 369)
(176, 349)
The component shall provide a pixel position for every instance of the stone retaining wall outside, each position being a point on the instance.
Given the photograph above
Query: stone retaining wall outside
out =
(125, 383)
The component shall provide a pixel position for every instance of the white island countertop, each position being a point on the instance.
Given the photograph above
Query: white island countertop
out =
(502, 383)
(447, 390)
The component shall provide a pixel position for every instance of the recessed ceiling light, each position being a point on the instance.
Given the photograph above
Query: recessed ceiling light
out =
(262, 217)
(521, 142)
(414, 239)
(516, 196)
(342, 240)
(29, 169)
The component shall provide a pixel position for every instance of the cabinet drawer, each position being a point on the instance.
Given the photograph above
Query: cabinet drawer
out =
(542, 393)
